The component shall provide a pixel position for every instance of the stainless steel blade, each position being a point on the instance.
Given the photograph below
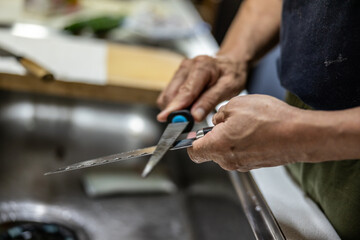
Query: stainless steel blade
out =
(108, 159)
(181, 144)
(171, 133)
(121, 157)
(5, 53)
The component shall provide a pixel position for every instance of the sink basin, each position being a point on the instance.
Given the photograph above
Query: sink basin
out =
(41, 133)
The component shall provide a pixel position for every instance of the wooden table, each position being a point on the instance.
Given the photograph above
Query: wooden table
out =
(134, 74)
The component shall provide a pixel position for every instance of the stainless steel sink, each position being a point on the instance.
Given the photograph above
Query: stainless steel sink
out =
(41, 133)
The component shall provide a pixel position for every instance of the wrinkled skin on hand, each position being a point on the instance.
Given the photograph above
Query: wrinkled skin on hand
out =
(250, 132)
(204, 82)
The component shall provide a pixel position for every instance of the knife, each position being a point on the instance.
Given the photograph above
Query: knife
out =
(31, 66)
(180, 144)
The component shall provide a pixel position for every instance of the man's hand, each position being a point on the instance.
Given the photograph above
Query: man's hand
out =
(256, 131)
(251, 132)
(202, 82)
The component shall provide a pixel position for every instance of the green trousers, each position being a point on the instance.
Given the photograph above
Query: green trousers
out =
(333, 185)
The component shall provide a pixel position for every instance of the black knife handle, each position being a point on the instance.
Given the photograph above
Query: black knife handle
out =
(202, 132)
(182, 116)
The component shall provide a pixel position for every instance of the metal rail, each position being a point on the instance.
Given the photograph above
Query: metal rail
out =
(255, 207)
(258, 213)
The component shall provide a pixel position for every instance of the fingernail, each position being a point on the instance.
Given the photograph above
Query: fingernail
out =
(199, 113)
(213, 119)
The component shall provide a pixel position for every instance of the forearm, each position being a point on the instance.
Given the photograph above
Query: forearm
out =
(254, 30)
(330, 135)
(203, 82)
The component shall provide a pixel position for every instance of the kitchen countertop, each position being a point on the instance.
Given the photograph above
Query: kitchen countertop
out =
(93, 68)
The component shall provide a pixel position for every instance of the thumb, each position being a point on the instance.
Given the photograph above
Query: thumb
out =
(203, 149)
(198, 153)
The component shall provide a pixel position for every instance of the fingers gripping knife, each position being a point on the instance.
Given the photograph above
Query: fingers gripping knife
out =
(178, 122)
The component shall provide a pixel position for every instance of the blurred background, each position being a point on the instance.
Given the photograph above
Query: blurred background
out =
(48, 32)
(79, 80)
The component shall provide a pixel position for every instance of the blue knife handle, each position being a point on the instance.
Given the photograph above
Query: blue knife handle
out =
(182, 116)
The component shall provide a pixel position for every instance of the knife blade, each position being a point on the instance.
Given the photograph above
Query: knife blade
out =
(180, 144)
(171, 133)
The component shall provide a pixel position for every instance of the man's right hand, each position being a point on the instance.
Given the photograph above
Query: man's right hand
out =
(202, 82)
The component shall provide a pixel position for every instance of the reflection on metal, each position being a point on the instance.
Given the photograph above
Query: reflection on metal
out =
(31, 142)
(137, 125)
(257, 211)
(42, 213)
